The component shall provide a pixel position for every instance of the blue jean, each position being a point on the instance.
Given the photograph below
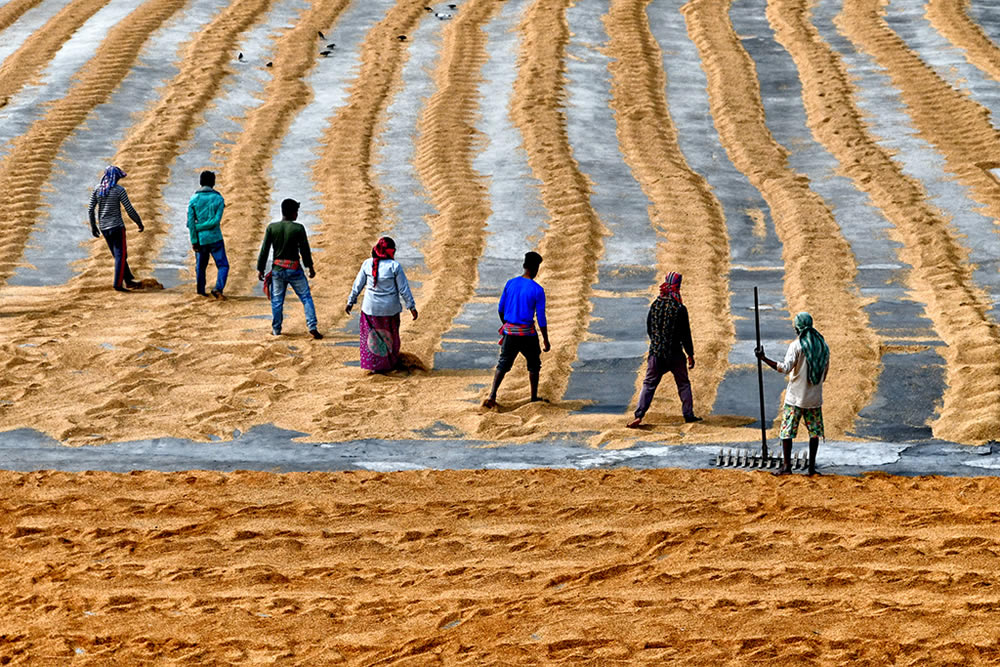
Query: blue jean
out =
(216, 251)
(280, 280)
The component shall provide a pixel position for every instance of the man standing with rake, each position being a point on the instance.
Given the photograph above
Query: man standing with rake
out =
(806, 364)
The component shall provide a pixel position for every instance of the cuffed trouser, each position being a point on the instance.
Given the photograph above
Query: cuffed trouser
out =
(216, 251)
(280, 280)
(656, 367)
(119, 250)
(525, 345)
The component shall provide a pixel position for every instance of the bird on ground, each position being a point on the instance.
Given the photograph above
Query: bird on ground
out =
(452, 6)
(402, 38)
(331, 46)
(428, 9)
(240, 57)
(321, 35)
(269, 64)
(443, 16)
(325, 53)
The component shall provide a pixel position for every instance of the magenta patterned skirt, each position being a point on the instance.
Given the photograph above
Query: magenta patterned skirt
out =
(379, 342)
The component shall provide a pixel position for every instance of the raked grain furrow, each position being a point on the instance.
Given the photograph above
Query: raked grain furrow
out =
(685, 211)
(152, 145)
(352, 214)
(947, 118)
(951, 19)
(445, 149)
(819, 265)
(28, 165)
(572, 243)
(250, 159)
(13, 10)
(23, 65)
(941, 275)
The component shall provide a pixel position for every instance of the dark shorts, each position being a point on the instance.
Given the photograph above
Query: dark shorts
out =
(526, 345)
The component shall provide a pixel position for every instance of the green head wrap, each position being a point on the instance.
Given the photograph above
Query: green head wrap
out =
(813, 346)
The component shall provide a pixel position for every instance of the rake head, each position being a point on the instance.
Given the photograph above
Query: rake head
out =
(747, 458)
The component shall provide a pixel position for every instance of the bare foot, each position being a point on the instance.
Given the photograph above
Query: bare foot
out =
(490, 403)
(780, 472)
(634, 423)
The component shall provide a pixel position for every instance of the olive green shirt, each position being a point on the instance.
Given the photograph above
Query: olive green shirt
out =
(288, 240)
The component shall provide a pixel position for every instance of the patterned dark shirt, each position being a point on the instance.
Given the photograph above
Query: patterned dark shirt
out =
(669, 329)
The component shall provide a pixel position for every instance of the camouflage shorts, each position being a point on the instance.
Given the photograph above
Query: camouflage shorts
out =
(790, 421)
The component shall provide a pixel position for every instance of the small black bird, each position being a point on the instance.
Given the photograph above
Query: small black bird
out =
(428, 9)
(452, 6)
(321, 35)
(402, 38)
(331, 46)
(325, 53)
(240, 57)
(269, 64)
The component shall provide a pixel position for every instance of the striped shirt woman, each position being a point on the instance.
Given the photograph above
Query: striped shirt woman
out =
(107, 200)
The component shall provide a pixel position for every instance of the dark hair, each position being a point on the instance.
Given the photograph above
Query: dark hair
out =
(208, 178)
(289, 209)
(532, 260)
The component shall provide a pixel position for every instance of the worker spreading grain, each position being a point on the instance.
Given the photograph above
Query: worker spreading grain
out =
(806, 364)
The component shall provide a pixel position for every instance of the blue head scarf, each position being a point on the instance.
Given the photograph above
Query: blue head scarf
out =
(110, 179)
(813, 346)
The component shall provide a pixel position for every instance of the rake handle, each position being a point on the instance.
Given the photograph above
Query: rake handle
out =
(760, 377)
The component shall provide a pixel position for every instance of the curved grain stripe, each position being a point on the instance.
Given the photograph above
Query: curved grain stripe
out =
(444, 153)
(13, 10)
(24, 65)
(819, 264)
(958, 126)
(249, 162)
(941, 275)
(30, 162)
(152, 145)
(572, 243)
(352, 212)
(684, 211)
(950, 18)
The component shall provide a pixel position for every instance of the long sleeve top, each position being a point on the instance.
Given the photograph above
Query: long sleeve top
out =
(521, 302)
(382, 300)
(799, 392)
(289, 241)
(109, 209)
(204, 219)
(669, 329)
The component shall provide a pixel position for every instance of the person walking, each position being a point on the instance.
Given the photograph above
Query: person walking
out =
(107, 200)
(669, 331)
(385, 284)
(806, 364)
(522, 301)
(291, 252)
(204, 223)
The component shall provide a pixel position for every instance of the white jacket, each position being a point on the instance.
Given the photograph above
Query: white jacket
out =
(799, 392)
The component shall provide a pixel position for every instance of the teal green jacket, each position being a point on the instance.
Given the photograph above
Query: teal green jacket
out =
(205, 216)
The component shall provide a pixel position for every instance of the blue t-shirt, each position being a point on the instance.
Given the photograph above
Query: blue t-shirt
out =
(521, 300)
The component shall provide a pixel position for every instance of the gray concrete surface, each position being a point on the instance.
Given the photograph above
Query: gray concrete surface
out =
(608, 362)
(271, 449)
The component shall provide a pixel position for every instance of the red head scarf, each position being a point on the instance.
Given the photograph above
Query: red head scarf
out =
(672, 287)
(384, 249)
